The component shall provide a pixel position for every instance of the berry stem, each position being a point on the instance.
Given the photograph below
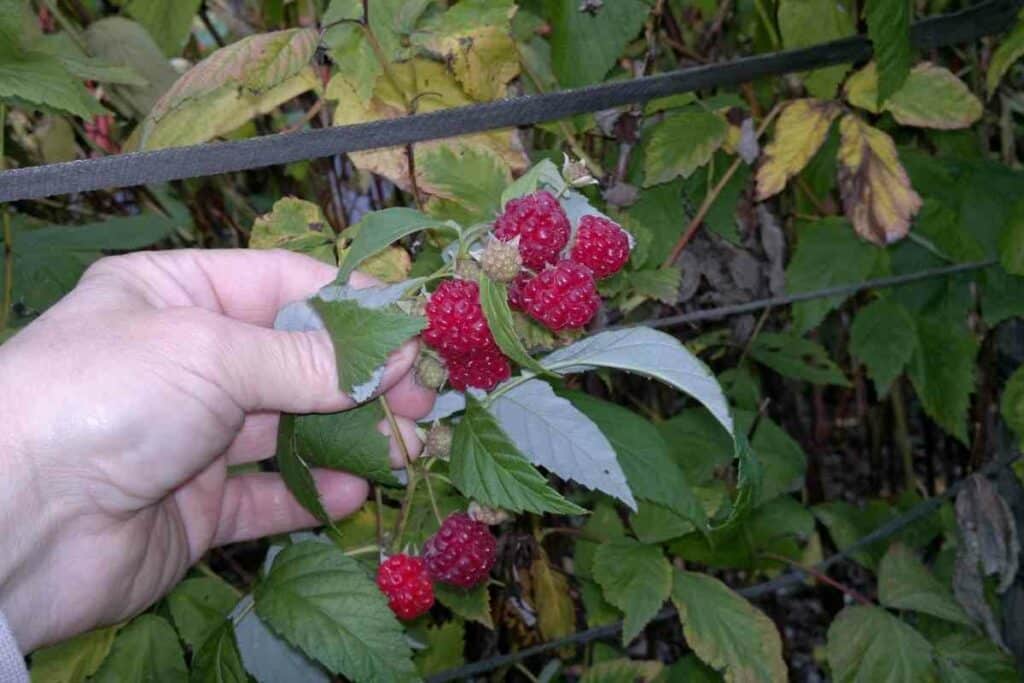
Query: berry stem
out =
(410, 471)
(709, 200)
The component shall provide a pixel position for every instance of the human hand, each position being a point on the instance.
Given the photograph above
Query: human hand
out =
(122, 408)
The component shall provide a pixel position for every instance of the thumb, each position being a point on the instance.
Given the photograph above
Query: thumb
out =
(295, 372)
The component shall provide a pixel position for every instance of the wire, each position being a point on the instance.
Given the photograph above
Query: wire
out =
(140, 168)
(787, 580)
(838, 290)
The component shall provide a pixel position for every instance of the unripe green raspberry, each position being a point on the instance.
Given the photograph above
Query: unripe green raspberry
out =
(430, 372)
(501, 260)
(439, 441)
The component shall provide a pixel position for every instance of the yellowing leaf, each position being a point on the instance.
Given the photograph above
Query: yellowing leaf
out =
(296, 225)
(436, 89)
(931, 97)
(876, 192)
(556, 614)
(799, 133)
(231, 86)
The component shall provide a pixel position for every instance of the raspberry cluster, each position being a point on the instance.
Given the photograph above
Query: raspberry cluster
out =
(457, 329)
(461, 553)
(561, 293)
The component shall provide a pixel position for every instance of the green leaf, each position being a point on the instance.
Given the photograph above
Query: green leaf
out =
(681, 144)
(266, 654)
(363, 339)
(199, 606)
(942, 372)
(883, 337)
(168, 22)
(41, 81)
(322, 601)
(905, 583)
(634, 577)
(472, 177)
(828, 253)
(689, 669)
(295, 225)
(473, 604)
(643, 455)
(218, 660)
(726, 631)
(847, 524)
(803, 23)
(622, 671)
(48, 261)
(658, 213)
(494, 301)
(295, 471)
(553, 434)
(970, 658)
(1009, 51)
(347, 441)
(347, 45)
(585, 45)
(649, 353)
(445, 645)
(486, 466)
(869, 644)
(1011, 241)
(122, 42)
(378, 230)
(797, 358)
(1011, 404)
(597, 611)
(889, 30)
(74, 660)
(602, 526)
(147, 649)
(660, 284)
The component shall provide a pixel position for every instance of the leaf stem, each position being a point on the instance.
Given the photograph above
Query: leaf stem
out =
(363, 550)
(820, 576)
(712, 196)
(902, 435)
(409, 466)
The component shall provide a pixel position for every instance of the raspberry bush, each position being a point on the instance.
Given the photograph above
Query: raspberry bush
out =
(601, 446)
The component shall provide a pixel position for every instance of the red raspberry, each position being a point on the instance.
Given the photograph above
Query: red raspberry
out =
(515, 292)
(404, 580)
(455, 321)
(562, 296)
(482, 369)
(601, 245)
(541, 225)
(462, 551)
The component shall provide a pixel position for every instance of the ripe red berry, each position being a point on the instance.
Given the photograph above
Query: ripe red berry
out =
(482, 369)
(515, 292)
(462, 551)
(601, 245)
(562, 296)
(405, 582)
(455, 321)
(540, 224)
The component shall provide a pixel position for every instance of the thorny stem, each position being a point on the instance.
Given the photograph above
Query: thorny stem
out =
(709, 200)
(899, 415)
(204, 15)
(379, 514)
(820, 576)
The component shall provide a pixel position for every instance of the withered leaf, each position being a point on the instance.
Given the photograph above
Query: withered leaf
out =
(799, 133)
(875, 189)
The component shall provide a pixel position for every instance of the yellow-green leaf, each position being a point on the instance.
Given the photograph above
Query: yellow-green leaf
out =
(295, 225)
(875, 189)
(74, 660)
(681, 144)
(931, 97)
(726, 631)
(556, 613)
(799, 133)
(231, 86)
(1008, 52)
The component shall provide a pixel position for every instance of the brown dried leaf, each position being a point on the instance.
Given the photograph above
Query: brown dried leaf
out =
(876, 192)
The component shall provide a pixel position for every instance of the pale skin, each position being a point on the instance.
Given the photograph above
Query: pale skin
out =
(122, 408)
